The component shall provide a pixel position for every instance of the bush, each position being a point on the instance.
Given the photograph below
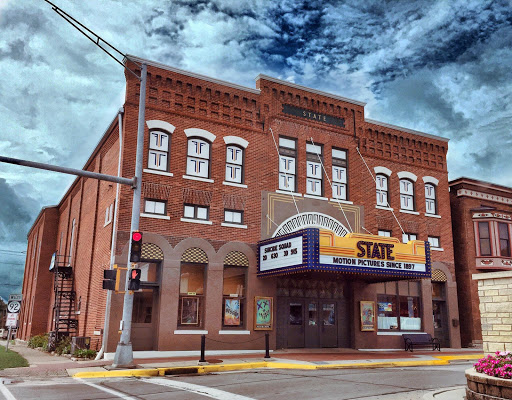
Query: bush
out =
(38, 341)
(85, 353)
(63, 346)
(499, 365)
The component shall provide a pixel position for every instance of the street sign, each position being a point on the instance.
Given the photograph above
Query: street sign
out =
(13, 307)
(15, 297)
(12, 320)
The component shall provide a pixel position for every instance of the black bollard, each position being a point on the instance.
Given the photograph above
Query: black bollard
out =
(267, 345)
(203, 342)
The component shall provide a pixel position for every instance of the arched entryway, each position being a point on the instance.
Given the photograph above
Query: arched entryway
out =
(439, 307)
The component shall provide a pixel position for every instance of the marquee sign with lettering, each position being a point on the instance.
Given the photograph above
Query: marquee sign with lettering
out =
(355, 253)
(313, 116)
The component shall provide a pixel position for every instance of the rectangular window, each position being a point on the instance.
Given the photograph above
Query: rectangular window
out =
(387, 312)
(195, 212)
(339, 174)
(154, 207)
(399, 308)
(234, 164)
(406, 237)
(434, 241)
(504, 239)
(233, 217)
(485, 238)
(109, 211)
(287, 164)
(409, 313)
(384, 233)
(234, 283)
(314, 175)
(406, 195)
(192, 289)
(158, 157)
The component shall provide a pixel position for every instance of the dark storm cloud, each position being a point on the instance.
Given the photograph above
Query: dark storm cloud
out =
(17, 52)
(16, 214)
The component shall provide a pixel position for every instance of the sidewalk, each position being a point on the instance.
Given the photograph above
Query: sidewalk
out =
(43, 364)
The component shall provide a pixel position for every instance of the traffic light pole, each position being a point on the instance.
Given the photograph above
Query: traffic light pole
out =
(124, 351)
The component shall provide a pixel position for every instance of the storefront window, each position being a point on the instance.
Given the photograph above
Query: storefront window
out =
(387, 312)
(391, 307)
(234, 296)
(409, 314)
(192, 281)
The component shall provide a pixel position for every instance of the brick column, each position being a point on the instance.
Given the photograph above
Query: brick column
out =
(495, 294)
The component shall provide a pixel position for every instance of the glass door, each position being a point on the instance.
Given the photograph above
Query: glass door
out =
(329, 328)
(312, 324)
(295, 331)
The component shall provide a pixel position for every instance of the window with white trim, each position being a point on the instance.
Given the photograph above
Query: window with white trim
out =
(198, 158)
(406, 194)
(381, 181)
(430, 199)
(233, 216)
(504, 237)
(384, 233)
(287, 164)
(193, 211)
(314, 175)
(234, 164)
(109, 211)
(339, 174)
(434, 242)
(154, 207)
(158, 157)
(406, 237)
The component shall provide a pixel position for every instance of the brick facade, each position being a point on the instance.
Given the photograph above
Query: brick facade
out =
(473, 202)
(193, 102)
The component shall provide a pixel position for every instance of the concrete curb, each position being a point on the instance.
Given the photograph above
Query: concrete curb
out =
(202, 369)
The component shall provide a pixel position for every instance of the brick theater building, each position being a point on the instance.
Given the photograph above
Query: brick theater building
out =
(482, 228)
(279, 209)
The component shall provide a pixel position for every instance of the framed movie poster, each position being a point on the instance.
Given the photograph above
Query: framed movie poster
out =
(263, 313)
(232, 312)
(190, 310)
(367, 315)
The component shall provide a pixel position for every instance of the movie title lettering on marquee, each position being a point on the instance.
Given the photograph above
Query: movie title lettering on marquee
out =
(314, 116)
(280, 254)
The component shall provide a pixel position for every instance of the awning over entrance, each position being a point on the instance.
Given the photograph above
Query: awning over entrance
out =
(318, 250)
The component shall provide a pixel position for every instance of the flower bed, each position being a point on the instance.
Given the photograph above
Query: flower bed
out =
(499, 365)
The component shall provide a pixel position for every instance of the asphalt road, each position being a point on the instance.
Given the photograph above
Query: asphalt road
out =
(387, 383)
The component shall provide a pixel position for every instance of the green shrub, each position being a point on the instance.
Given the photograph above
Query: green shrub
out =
(63, 346)
(38, 341)
(85, 353)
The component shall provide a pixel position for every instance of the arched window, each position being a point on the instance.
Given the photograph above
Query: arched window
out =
(406, 194)
(159, 145)
(234, 290)
(198, 157)
(234, 164)
(382, 190)
(430, 199)
(192, 288)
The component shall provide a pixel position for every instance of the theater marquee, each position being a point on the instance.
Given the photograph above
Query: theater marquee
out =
(315, 250)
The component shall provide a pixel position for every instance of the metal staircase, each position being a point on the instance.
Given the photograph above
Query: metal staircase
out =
(65, 322)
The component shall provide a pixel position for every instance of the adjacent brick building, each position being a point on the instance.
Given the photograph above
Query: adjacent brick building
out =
(482, 228)
(226, 166)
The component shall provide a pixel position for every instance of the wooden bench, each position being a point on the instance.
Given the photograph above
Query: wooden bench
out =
(420, 340)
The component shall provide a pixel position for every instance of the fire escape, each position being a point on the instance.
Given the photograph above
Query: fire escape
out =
(65, 321)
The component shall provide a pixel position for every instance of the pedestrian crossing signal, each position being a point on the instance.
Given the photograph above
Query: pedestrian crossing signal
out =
(134, 282)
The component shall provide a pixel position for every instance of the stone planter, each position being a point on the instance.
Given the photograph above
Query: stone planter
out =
(485, 387)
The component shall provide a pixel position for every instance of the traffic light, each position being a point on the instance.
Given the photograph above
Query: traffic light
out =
(136, 251)
(134, 282)
(109, 279)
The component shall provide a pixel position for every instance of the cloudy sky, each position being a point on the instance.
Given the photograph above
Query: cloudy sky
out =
(441, 67)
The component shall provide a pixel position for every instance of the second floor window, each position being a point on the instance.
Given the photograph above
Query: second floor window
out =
(406, 195)
(154, 207)
(193, 211)
(406, 237)
(434, 242)
(430, 199)
(339, 174)
(504, 239)
(382, 190)
(484, 238)
(198, 158)
(158, 157)
(314, 182)
(384, 233)
(233, 216)
(287, 164)
(234, 164)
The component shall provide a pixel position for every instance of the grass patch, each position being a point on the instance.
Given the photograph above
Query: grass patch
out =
(11, 359)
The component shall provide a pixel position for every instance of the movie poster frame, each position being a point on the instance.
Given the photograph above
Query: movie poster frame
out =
(270, 325)
(365, 327)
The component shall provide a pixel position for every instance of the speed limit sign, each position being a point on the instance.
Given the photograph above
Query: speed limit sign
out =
(13, 307)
